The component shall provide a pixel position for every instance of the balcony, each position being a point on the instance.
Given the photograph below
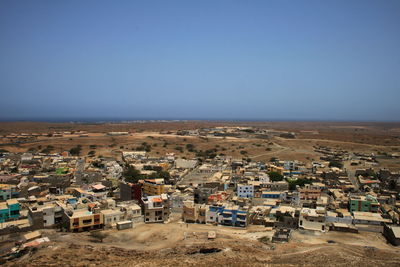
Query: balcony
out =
(241, 218)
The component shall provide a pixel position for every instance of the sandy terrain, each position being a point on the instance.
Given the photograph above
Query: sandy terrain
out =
(374, 138)
(176, 244)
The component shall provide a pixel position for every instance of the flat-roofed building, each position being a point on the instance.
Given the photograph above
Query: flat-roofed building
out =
(194, 213)
(309, 192)
(245, 190)
(273, 194)
(154, 187)
(313, 219)
(156, 208)
(130, 191)
(112, 216)
(82, 220)
(46, 215)
(233, 215)
(8, 191)
(364, 203)
(392, 234)
(9, 210)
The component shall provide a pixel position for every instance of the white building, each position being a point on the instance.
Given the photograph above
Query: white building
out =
(114, 170)
(245, 190)
(48, 215)
(313, 219)
(133, 212)
(112, 216)
(289, 165)
(264, 178)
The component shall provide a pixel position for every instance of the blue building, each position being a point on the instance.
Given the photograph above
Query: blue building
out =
(9, 210)
(233, 216)
(272, 194)
(8, 191)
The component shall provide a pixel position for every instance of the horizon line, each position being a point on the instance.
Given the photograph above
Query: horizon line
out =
(136, 120)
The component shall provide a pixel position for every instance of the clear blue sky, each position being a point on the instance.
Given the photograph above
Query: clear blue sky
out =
(292, 60)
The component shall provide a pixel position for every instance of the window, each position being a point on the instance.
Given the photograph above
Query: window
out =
(89, 221)
(14, 212)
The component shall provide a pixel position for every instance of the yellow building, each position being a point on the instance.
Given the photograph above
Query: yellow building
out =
(154, 187)
(83, 220)
(273, 168)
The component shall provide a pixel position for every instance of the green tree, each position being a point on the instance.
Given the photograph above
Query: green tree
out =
(335, 163)
(132, 175)
(190, 147)
(275, 176)
(75, 151)
(300, 182)
(160, 174)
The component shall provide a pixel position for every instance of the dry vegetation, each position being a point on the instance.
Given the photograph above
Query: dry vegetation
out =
(356, 137)
(175, 245)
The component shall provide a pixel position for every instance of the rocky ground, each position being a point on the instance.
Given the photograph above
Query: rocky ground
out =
(178, 244)
(210, 254)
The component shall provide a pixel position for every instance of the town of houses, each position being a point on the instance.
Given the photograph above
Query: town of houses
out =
(74, 193)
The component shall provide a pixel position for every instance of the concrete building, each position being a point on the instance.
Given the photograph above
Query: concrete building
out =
(233, 215)
(392, 234)
(245, 190)
(133, 212)
(273, 194)
(364, 203)
(338, 217)
(202, 194)
(8, 191)
(154, 187)
(112, 216)
(82, 220)
(369, 218)
(276, 186)
(46, 215)
(290, 165)
(309, 192)
(281, 235)
(287, 217)
(156, 208)
(313, 219)
(213, 213)
(194, 213)
(130, 191)
(9, 210)
(258, 215)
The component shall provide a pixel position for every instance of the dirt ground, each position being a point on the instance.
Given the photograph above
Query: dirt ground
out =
(375, 138)
(179, 244)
